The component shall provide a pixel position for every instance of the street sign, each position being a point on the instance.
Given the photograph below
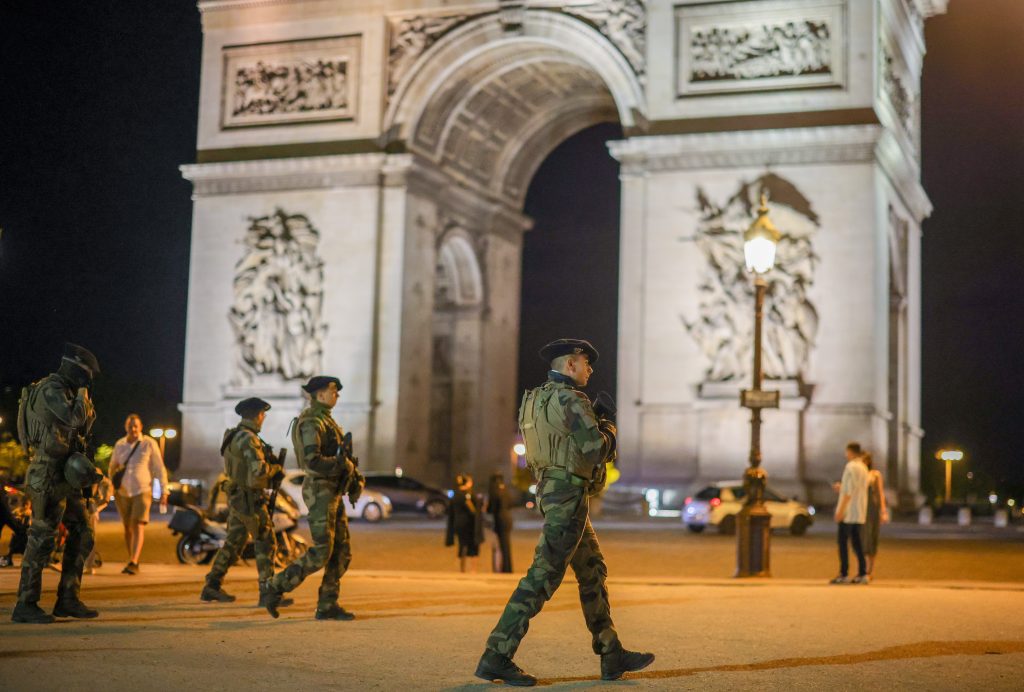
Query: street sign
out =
(759, 398)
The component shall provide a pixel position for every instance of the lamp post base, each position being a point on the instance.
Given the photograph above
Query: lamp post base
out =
(753, 536)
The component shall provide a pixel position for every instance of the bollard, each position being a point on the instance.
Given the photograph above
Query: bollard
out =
(924, 516)
(1002, 518)
(963, 516)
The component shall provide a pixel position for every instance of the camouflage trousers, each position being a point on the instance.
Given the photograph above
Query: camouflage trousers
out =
(54, 501)
(241, 525)
(330, 549)
(567, 540)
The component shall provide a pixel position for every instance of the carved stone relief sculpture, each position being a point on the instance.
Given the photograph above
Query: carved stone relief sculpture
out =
(753, 51)
(279, 291)
(275, 83)
(624, 22)
(724, 326)
(410, 37)
(896, 91)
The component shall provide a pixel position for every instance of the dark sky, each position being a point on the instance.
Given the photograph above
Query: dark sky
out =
(99, 110)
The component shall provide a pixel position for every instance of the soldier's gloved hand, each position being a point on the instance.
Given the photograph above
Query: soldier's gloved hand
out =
(355, 488)
(600, 480)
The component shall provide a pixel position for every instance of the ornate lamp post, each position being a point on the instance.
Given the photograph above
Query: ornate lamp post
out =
(163, 434)
(753, 523)
(949, 456)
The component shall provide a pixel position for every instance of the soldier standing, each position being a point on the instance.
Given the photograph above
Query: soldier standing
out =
(251, 469)
(567, 447)
(54, 416)
(319, 447)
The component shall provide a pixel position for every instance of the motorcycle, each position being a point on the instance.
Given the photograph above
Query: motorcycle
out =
(204, 531)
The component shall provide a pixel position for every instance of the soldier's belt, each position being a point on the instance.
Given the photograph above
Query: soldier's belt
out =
(565, 475)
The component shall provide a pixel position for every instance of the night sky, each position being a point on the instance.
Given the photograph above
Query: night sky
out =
(99, 110)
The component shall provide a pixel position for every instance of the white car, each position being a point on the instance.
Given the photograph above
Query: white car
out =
(718, 505)
(372, 506)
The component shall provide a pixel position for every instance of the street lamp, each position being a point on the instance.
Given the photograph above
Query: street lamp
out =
(753, 522)
(949, 456)
(163, 434)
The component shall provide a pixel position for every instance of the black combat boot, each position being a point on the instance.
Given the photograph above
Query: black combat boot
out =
(73, 609)
(494, 667)
(30, 612)
(619, 661)
(334, 612)
(282, 602)
(270, 599)
(212, 592)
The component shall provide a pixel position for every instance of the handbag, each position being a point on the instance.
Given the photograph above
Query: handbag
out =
(119, 476)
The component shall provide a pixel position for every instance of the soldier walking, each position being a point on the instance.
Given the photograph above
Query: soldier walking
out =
(567, 447)
(54, 416)
(252, 468)
(319, 447)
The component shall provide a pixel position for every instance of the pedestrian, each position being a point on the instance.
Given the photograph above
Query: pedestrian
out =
(465, 522)
(16, 519)
(135, 466)
(55, 415)
(252, 469)
(500, 510)
(877, 514)
(97, 500)
(321, 452)
(567, 448)
(851, 512)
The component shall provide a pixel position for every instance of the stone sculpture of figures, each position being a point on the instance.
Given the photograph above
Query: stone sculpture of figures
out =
(762, 50)
(305, 85)
(724, 326)
(278, 284)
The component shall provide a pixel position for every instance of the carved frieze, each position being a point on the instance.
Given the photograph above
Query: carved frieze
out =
(279, 291)
(894, 86)
(623, 22)
(723, 328)
(410, 37)
(291, 81)
(735, 47)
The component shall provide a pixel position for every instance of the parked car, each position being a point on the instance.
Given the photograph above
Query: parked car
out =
(372, 505)
(409, 494)
(718, 505)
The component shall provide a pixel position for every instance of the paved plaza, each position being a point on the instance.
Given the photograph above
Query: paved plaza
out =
(422, 626)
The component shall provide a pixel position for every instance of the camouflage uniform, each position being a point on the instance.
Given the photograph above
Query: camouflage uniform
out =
(567, 450)
(249, 474)
(317, 440)
(57, 419)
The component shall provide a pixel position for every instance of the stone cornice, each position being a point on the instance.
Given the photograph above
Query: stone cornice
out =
(903, 172)
(213, 5)
(841, 144)
(293, 174)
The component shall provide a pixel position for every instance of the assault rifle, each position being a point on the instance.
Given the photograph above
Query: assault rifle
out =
(354, 485)
(276, 479)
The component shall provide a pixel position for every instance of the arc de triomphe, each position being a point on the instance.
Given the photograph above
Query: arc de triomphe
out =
(359, 190)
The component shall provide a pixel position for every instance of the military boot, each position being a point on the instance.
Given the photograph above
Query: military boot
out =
(73, 609)
(619, 661)
(30, 612)
(494, 667)
(212, 592)
(270, 599)
(334, 612)
(283, 601)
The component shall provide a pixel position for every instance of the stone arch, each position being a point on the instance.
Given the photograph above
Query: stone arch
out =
(489, 105)
(460, 281)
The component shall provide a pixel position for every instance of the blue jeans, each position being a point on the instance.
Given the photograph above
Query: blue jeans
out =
(851, 533)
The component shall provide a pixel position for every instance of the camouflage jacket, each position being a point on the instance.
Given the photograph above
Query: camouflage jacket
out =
(317, 439)
(57, 417)
(245, 459)
(560, 429)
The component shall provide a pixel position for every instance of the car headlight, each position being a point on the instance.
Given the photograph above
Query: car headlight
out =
(386, 500)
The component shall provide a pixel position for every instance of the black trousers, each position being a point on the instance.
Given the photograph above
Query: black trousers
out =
(20, 531)
(850, 533)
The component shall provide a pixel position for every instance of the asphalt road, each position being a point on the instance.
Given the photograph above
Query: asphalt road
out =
(647, 547)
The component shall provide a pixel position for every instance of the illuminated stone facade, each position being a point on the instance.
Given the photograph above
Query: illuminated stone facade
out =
(400, 138)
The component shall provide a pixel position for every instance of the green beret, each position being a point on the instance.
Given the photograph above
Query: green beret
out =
(319, 382)
(566, 347)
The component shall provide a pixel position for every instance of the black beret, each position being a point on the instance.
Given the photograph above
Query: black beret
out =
(565, 347)
(319, 382)
(81, 357)
(249, 408)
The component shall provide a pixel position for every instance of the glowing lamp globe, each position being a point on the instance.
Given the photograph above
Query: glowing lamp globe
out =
(760, 241)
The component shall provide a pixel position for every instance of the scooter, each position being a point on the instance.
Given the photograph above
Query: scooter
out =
(204, 531)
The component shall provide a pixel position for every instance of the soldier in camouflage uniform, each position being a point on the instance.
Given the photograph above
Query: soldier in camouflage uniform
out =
(54, 416)
(567, 447)
(330, 474)
(251, 469)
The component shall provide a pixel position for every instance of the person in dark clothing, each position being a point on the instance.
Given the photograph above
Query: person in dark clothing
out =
(8, 518)
(465, 521)
(498, 507)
